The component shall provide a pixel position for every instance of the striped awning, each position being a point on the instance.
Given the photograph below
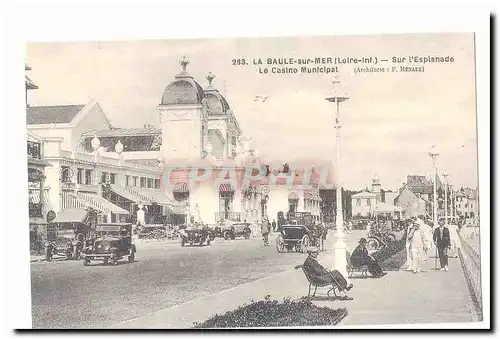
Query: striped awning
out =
(181, 187)
(293, 196)
(226, 187)
(71, 215)
(34, 197)
(99, 203)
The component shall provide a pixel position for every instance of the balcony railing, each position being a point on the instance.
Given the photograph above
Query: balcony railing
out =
(34, 150)
(35, 210)
(232, 216)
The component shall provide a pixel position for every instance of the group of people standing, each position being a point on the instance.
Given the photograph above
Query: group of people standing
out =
(422, 240)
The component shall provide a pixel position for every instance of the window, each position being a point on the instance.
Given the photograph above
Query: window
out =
(65, 174)
(358, 202)
(112, 178)
(466, 205)
(134, 181)
(157, 183)
(127, 180)
(80, 176)
(104, 177)
(143, 182)
(150, 183)
(368, 202)
(88, 177)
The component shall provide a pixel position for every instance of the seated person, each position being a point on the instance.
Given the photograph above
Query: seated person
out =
(315, 269)
(360, 257)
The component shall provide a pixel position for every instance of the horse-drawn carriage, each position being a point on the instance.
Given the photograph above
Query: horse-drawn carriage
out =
(300, 232)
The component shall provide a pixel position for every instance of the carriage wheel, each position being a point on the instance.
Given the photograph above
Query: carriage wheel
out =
(280, 244)
(305, 243)
(390, 238)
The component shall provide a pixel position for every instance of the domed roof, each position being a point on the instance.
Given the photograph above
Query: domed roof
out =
(183, 90)
(216, 102)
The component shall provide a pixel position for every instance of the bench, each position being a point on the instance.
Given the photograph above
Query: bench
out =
(315, 283)
(351, 268)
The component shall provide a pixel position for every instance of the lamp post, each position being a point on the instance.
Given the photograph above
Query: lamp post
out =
(340, 245)
(433, 154)
(445, 175)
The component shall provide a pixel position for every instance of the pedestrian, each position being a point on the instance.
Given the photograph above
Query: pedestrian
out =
(274, 225)
(321, 274)
(441, 239)
(454, 239)
(264, 229)
(409, 227)
(360, 257)
(418, 246)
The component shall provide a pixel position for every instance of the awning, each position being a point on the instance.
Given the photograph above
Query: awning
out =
(34, 197)
(99, 203)
(226, 187)
(181, 187)
(144, 195)
(72, 215)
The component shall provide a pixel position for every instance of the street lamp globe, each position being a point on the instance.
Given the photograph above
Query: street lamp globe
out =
(119, 147)
(95, 143)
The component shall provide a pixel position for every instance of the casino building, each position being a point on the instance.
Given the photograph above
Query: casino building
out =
(196, 166)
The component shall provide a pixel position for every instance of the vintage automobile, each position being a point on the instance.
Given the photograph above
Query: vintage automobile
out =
(111, 242)
(195, 235)
(233, 230)
(67, 233)
(293, 237)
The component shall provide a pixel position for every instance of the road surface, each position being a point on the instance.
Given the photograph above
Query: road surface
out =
(67, 294)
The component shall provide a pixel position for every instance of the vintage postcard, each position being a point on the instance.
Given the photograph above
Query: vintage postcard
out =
(253, 182)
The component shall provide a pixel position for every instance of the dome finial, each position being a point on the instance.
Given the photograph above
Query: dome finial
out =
(184, 62)
(210, 78)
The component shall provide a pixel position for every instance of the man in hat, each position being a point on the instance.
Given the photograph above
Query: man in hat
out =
(442, 241)
(315, 269)
(360, 257)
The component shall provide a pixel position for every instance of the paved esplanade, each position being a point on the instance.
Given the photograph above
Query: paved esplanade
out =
(70, 295)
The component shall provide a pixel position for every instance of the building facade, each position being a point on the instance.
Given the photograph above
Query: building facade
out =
(196, 167)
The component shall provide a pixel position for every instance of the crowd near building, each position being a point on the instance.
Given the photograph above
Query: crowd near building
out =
(78, 159)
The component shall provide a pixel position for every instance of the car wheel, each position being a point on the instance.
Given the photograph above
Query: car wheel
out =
(86, 262)
(227, 235)
(131, 257)
(247, 233)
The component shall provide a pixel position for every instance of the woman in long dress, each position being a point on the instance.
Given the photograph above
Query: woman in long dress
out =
(418, 247)
(454, 239)
(409, 228)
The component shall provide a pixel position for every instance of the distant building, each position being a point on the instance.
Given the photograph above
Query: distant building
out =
(416, 197)
(466, 203)
(375, 202)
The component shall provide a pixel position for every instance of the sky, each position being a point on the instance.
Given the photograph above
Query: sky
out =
(389, 123)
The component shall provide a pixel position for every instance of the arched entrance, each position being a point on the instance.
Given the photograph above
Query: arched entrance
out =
(226, 198)
(180, 192)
